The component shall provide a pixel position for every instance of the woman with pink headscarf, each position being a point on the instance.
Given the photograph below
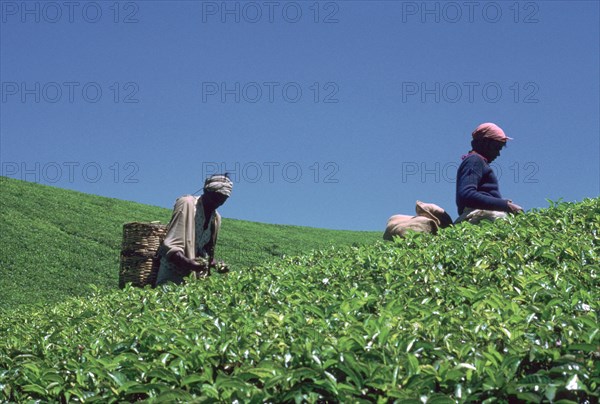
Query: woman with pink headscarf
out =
(477, 191)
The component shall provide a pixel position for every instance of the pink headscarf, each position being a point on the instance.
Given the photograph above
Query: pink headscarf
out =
(490, 131)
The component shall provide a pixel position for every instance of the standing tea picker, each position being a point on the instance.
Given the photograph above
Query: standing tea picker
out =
(477, 191)
(189, 245)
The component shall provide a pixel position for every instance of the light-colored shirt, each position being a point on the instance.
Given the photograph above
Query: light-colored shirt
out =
(186, 233)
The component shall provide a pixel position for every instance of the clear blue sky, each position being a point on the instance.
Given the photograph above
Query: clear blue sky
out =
(334, 114)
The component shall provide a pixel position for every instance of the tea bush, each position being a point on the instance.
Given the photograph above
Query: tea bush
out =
(57, 243)
(502, 312)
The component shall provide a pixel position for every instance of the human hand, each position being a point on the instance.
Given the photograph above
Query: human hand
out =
(204, 269)
(184, 264)
(514, 208)
(220, 267)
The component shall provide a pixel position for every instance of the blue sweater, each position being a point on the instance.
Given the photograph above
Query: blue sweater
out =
(477, 186)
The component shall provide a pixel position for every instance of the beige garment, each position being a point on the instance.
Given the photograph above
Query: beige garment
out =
(399, 225)
(474, 216)
(434, 212)
(181, 236)
(430, 217)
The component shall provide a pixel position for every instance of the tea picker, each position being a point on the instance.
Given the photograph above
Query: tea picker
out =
(189, 244)
(477, 191)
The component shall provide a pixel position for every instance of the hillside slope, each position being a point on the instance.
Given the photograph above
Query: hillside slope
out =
(501, 312)
(57, 243)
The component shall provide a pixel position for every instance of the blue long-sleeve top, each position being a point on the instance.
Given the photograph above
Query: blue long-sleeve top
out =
(477, 186)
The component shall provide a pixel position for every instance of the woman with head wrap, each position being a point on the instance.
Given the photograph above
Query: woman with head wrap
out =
(192, 233)
(477, 191)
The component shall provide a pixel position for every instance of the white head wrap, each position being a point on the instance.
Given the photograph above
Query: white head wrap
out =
(218, 183)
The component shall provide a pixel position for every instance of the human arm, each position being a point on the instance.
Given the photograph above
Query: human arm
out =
(185, 265)
(477, 186)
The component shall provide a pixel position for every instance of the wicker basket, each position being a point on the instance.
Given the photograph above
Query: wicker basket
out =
(140, 243)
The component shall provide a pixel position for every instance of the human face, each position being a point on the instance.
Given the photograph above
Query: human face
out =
(493, 149)
(213, 200)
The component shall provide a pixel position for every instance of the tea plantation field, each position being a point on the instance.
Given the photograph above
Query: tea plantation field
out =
(502, 312)
(57, 243)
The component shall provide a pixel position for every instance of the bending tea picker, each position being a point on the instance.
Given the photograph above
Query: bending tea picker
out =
(189, 245)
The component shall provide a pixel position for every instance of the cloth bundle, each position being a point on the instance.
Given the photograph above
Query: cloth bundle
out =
(429, 219)
(475, 216)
